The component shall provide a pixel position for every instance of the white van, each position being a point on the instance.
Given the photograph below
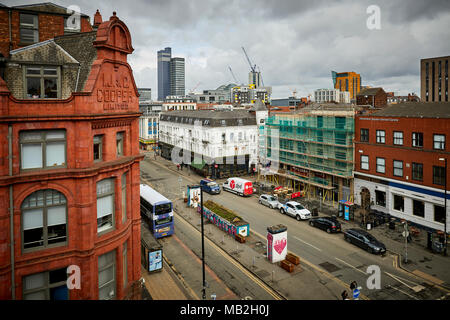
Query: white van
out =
(239, 186)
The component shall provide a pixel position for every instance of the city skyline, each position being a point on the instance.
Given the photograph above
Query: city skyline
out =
(295, 43)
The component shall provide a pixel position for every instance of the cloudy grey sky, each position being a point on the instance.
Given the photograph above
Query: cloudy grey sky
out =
(295, 43)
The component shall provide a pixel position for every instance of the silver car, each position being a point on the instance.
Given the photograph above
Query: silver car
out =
(269, 200)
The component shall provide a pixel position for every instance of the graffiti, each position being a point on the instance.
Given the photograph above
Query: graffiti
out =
(224, 224)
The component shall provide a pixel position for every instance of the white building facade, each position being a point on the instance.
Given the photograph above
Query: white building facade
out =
(331, 95)
(217, 143)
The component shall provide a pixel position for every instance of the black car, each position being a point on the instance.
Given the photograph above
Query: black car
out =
(364, 240)
(328, 224)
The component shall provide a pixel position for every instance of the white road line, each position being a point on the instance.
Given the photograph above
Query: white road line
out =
(365, 273)
(403, 292)
(307, 243)
(417, 288)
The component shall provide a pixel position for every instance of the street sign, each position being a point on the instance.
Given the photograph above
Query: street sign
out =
(356, 293)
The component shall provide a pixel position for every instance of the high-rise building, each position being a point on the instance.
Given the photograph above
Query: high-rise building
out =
(171, 80)
(434, 79)
(254, 78)
(347, 81)
(177, 81)
(164, 57)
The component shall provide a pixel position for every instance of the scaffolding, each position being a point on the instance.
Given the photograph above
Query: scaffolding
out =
(314, 147)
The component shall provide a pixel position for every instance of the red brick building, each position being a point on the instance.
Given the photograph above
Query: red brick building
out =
(397, 166)
(375, 97)
(24, 25)
(69, 168)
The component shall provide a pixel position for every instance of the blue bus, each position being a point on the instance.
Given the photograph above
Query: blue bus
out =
(159, 211)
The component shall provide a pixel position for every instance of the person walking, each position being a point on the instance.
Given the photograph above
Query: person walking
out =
(344, 295)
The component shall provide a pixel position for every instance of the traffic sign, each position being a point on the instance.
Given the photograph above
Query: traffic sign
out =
(405, 234)
(356, 293)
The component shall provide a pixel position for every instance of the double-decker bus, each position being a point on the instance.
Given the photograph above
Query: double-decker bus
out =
(159, 211)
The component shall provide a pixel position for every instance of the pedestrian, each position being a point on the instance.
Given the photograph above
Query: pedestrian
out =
(353, 285)
(178, 167)
(344, 295)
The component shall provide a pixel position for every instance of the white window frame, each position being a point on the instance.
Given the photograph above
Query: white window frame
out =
(396, 168)
(381, 138)
(440, 143)
(105, 191)
(383, 165)
(398, 138)
(363, 162)
(41, 137)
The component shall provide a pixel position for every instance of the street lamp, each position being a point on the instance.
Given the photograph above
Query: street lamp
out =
(203, 242)
(445, 206)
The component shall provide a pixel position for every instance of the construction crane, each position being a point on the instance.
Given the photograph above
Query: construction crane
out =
(234, 77)
(192, 91)
(253, 68)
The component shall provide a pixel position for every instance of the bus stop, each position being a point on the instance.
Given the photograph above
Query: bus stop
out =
(151, 250)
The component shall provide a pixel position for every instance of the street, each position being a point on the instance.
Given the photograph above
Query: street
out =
(331, 262)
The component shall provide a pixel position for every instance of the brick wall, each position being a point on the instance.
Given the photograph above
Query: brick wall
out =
(406, 153)
(50, 25)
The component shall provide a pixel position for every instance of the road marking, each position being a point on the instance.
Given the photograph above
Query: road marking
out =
(389, 286)
(427, 276)
(363, 272)
(307, 243)
(416, 288)
(321, 270)
(259, 281)
(255, 279)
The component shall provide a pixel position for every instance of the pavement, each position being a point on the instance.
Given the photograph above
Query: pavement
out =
(430, 267)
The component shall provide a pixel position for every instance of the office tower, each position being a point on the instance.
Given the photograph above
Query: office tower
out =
(347, 81)
(434, 79)
(164, 57)
(177, 81)
(254, 77)
(171, 80)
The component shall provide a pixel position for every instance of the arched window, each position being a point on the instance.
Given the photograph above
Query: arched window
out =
(44, 219)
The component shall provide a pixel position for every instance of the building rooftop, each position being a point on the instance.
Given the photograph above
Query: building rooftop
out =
(369, 91)
(416, 110)
(212, 118)
(45, 7)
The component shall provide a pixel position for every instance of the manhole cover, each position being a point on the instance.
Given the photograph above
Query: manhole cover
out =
(329, 266)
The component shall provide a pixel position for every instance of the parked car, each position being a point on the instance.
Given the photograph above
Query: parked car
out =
(296, 210)
(210, 186)
(269, 200)
(328, 224)
(364, 240)
(239, 186)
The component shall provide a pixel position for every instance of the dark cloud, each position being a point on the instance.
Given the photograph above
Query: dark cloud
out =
(296, 43)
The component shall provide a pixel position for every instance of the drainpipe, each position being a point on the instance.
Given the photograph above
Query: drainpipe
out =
(78, 76)
(10, 31)
(11, 216)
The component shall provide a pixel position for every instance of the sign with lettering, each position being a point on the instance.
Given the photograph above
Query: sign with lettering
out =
(115, 91)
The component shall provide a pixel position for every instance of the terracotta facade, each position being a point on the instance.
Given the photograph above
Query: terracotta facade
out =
(107, 105)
